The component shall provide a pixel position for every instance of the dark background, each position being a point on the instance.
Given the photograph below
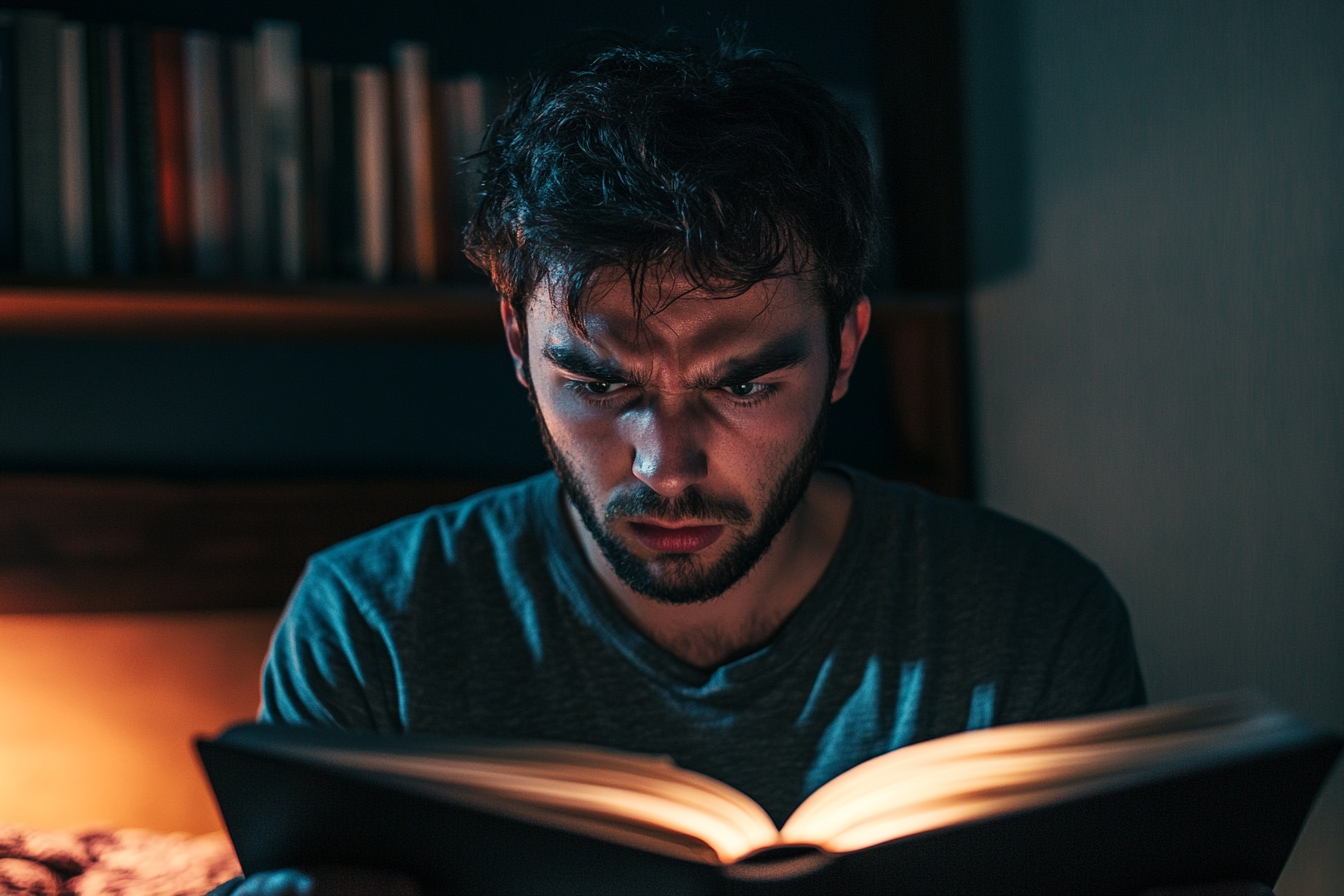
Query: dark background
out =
(832, 40)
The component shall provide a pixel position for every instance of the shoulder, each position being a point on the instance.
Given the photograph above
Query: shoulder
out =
(367, 610)
(966, 541)
(385, 564)
(997, 599)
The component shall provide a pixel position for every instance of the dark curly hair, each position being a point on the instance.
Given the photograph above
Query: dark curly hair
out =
(724, 166)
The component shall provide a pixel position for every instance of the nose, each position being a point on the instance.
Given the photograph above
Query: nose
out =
(669, 446)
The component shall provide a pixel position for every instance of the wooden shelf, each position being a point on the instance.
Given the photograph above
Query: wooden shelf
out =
(270, 311)
(334, 310)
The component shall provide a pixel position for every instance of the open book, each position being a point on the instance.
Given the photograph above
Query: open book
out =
(1246, 769)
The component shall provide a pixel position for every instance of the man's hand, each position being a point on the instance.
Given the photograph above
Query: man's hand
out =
(322, 881)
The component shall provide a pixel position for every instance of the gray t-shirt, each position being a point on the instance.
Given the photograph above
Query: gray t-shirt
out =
(482, 618)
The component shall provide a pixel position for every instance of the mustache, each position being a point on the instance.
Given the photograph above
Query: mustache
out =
(691, 504)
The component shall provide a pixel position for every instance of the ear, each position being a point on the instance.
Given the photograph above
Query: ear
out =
(513, 335)
(852, 333)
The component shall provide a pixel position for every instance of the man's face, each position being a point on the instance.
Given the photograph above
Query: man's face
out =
(684, 440)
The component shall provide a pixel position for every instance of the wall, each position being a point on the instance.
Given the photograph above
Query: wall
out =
(1160, 375)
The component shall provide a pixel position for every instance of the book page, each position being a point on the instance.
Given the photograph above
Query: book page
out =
(980, 774)
(601, 792)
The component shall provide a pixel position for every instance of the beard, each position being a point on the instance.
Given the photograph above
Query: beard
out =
(682, 579)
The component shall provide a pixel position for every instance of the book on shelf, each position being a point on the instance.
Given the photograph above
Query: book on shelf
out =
(76, 208)
(208, 202)
(442, 168)
(249, 153)
(343, 230)
(189, 153)
(37, 94)
(280, 99)
(318, 171)
(170, 150)
(109, 152)
(9, 233)
(463, 110)
(143, 147)
(1196, 791)
(414, 162)
(372, 99)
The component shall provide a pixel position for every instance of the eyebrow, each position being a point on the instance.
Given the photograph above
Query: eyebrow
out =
(580, 361)
(780, 354)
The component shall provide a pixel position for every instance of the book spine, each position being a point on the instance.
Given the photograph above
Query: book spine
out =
(228, 158)
(144, 164)
(443, 171)
(171, 151)
(205, 153)
(36, 38)
(415, 172)
(318, 168)
(280, 93)
(116, 160)
(344, 216)
(466, 128)
(9, 222)
(76, 211)
(251, 164)
(95, 70)
(373, 168)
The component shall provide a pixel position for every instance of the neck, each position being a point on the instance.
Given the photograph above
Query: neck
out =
(750, 613)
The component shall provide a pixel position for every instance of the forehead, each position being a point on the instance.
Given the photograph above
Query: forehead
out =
(677, 319)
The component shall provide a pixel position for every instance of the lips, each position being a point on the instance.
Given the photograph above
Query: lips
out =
(676, 539)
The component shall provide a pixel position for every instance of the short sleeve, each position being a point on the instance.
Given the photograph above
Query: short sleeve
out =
(1095, 667)
(327, 664)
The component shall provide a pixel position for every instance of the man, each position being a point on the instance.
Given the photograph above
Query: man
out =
(679, 240)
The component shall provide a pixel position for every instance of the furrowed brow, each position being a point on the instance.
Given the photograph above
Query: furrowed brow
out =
(581, 362)
(783, 353)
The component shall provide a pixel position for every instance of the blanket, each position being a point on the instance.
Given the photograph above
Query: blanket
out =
(98, 861)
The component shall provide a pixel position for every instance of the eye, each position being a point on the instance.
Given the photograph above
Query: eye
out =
(744, 390)
(600, 387)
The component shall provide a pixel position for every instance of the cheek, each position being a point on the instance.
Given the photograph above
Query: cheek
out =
(758, 444)
(588, 437)
(779, 421)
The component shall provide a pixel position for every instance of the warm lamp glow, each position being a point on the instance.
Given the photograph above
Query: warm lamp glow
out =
(97, 712)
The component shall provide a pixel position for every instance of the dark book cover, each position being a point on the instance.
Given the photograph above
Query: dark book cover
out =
(1231, 819)
(402, 256)
(230, 229)
(142, 150)
(279, 87)
(343, 218)
(207, 203)
(318, 167)
(170, 150)
(248, 166)
(117, 159)
(443, 171)
(375, 169)
(76, 208)
(37, 96)
(96, 73)
(467, 105)
(9, 224)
